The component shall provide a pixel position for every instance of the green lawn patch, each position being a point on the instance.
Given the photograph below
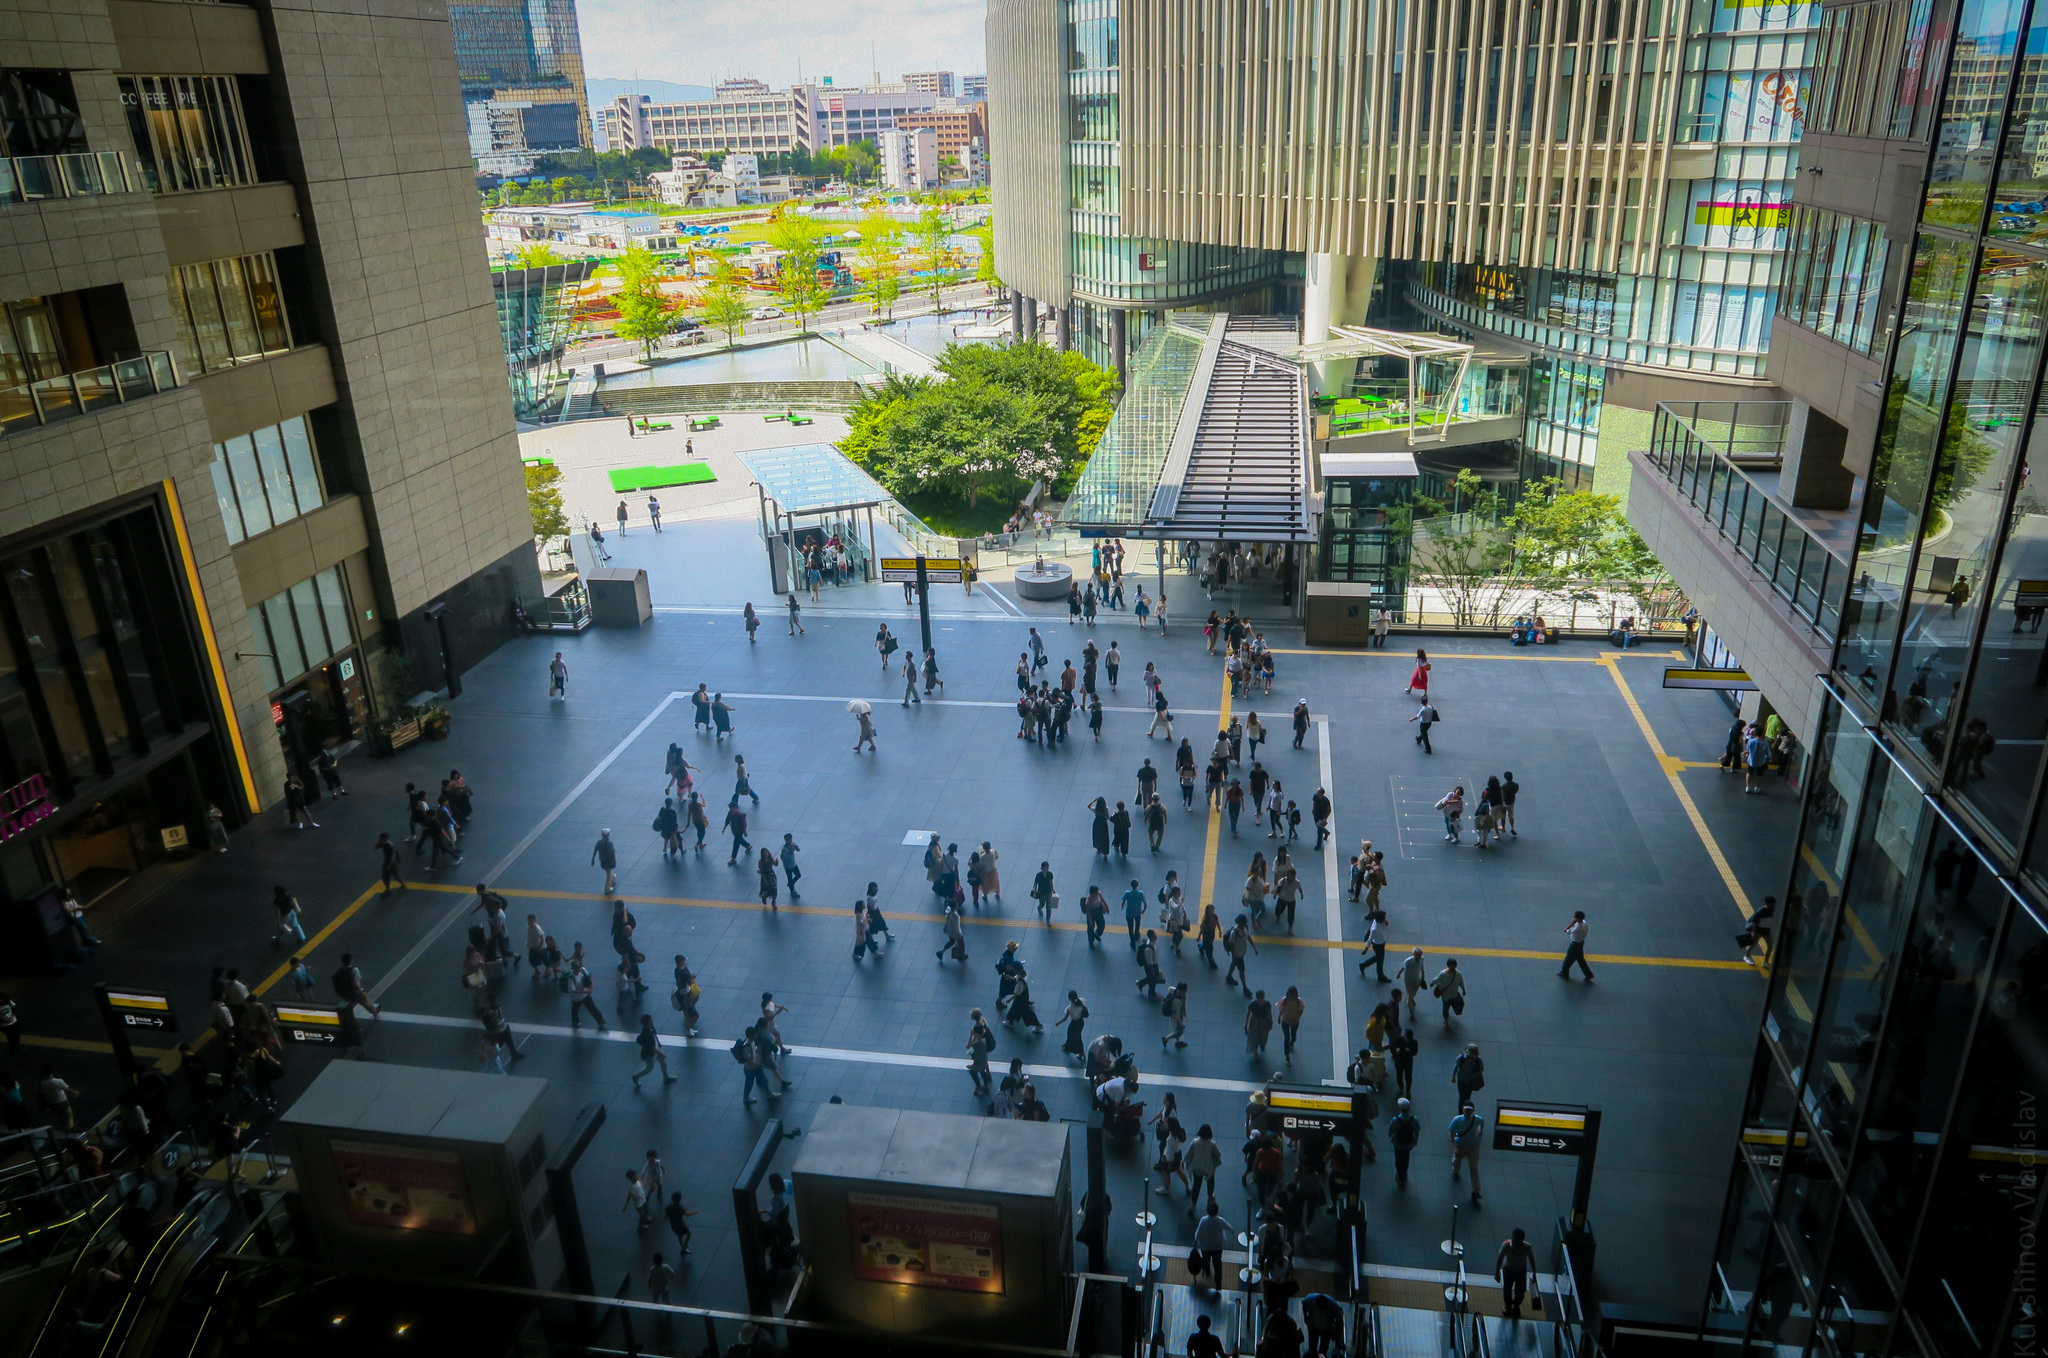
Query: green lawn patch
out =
(627, 479)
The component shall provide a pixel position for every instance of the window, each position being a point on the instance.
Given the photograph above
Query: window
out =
(266, 478)
(301, 627)
(189, 131)
(228, 311)
(39, 114)
(1834, 275)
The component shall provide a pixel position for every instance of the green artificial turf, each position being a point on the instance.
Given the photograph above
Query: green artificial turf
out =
(627, 479)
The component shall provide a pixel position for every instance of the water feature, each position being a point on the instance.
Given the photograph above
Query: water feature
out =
(812, 360)
(930, 335)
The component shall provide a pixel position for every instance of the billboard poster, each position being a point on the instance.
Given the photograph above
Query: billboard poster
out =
(408, 1188)
(926, 1242)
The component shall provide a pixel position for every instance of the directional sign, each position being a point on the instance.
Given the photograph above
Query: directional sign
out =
(141, 1009)
(1547, 1128)
(1727, 681)
(937, 569)
(1768, 1143)
(1326, 1112)
(316, 1025)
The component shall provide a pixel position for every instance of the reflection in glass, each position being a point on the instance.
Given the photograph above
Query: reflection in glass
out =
(1841, 763)
(1986, 39)
(46, 658)
(1980, 443)
(1739, 1255)
(89, 646)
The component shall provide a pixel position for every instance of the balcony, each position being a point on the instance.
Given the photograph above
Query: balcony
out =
(30, 405)
(1722, 457)
(31, 179)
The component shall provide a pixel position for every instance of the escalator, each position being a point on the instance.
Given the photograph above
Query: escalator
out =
(96, 1315)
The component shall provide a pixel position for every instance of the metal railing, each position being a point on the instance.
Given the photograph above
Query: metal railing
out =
(567, 609)
(30, 405)
(1571, 1336)
(88, 174)
(1700, 456)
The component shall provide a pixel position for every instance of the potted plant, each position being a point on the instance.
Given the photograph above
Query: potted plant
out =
(434, 722)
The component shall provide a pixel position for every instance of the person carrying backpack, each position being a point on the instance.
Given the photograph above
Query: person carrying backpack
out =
(348, 984)
(1404, 1130)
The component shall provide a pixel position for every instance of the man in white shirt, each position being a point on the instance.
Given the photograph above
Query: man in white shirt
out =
(1575, 946)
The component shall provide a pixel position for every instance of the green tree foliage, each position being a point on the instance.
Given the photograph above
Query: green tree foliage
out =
(725, 300)
(881, 274)
(544, 501)
(1465, 556)
(931, 242)
(536, 255)
(856, 162)
(1906, 454)
(643, 310)
(998, 420)
(985, 265)
(802, 241)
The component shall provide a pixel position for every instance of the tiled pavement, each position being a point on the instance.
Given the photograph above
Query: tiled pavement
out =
(1660, 1042)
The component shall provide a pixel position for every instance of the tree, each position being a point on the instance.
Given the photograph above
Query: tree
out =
(802, 242)
(931, 249)
(1466, 557)
(536, 255)
(544, 501)
(725, 300)
(643, 310)
(1078, 396)
(879, 268)
(985, 263)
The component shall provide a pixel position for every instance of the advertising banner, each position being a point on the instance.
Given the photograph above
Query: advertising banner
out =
(926, 1242)
(408, 1188)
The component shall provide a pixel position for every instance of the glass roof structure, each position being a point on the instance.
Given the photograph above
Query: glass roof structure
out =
(812, 478)
(1117, 485)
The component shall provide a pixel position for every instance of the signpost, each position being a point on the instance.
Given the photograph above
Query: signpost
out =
(124, 1009)
(921, 571)
(1725, 681)
(1558, 1129)
(318, 1025)
(1312, 1110)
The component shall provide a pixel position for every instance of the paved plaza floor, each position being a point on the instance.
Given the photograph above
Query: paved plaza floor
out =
(1621, 815)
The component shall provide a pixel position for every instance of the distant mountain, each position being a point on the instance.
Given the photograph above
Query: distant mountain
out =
(603, 92)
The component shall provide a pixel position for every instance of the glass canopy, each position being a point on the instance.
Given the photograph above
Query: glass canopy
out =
(812, 478)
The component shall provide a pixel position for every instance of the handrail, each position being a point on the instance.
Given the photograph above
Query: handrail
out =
(28, 405)
(85, 174)
(1792, 560)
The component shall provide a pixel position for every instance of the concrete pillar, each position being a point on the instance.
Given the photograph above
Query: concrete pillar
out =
(1813, 476)
(1337, 291)
(1030, 318)
(1116, 342)
(1016, 317)
(1063, 327)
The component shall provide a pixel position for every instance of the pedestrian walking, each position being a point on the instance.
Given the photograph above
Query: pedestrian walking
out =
(1134, 903)
(654, 512)
(580, 986)
(796, 625)
(558, 678)
(1204, 1158)
(1319, 809)
(1401, 1052)
(981, 1040)
(790, 870)
(1424, 718)
(1239, 944)
(1075, 1017)
(1095, 910)
(1757, 932)
(1414, 976)
(636, 1192)
(764, 868)
(1112, 662)
(721, 718)
(1404, 1130)
(288, 924)
(1511, 1269)
(622, 518)
(1290, 1011)
(1467, 1130)
(605, 854)
(1468, 1073)
(1509, 790)
(1149, 976)
(1418, 680)
(329, 769)
(1300, 722)
(736, 822)
(348, 984)
(1449, 987)
(1575, 946)
(751, 621)
(651, 1054)
(1258, 1025)
(297, 805)
(1042, 890)
(1375, 954)
(679, 1221)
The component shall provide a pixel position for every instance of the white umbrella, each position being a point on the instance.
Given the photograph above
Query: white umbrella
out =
(858, 708)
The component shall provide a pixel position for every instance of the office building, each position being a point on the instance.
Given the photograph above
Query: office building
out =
(929, 82)
(1616, 219)
(956, 124)
(910, 158)
(1881, 529)
(832, 116)
(974, 89)
(255, 446)
(526, 53)
(742, 115)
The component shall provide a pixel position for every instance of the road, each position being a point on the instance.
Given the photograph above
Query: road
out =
(604, 350)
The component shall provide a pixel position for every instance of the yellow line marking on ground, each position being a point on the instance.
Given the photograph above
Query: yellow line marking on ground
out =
(1692, 810)
(1013, 924)
(79, 1044)
(1600, 659)
(1215, 834)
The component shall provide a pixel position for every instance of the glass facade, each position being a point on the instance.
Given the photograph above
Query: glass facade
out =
(1886, 1190)
(303, 627)
(228, 311)
(189, 131)
(266, 478)
(1834, 273)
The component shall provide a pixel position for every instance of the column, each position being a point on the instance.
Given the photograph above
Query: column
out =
(1016, 317)
(1116, 341)
(1062, 327)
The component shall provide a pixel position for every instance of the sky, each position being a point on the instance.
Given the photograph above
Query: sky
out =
(700, 42)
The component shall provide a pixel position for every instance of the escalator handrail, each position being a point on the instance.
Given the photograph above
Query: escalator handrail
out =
(143, 1290)
(61, 1303)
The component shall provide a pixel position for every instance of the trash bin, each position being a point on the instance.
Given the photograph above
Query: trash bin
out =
(618, 597)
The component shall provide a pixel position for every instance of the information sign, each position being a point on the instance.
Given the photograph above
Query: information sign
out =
(1546, 1128)
(937, 569)
(141, 1008)
(1727, 681)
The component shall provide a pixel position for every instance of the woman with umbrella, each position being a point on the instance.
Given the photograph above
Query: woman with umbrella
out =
(863, 714)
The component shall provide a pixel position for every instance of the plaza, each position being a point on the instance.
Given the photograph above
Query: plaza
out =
(1622, 814)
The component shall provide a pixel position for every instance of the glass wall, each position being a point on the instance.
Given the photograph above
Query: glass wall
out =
(266, 478)
(1834, 275)
(304, 626)
(228, 311)
(189, 131)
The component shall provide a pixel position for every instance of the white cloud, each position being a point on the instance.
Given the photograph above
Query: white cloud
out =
(701, 42)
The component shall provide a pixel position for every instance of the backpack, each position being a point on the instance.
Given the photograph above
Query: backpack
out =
(739, 1050)
(1166, 1005)
(345, 982)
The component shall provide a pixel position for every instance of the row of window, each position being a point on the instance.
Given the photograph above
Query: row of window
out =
(228, 311)
(303, 627)
(189, 131)
(266, 478)
(1834, 276)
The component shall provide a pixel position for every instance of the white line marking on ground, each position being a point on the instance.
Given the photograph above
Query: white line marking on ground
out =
(1333, 919)
(504, 865)
(843, 1054)
(1109, 709)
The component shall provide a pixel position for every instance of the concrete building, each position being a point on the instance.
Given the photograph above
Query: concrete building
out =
(956, 124)
(910, 158)
(506, 136)
(929, 82)
(528, 54)
(832, 116)
(255, 438)
(974, 89)
(1619, 222)
(743, 115)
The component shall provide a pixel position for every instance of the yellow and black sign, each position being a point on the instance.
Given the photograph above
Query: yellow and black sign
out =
(902, 570)
(1728, 681)
(140, 1008)
(1315, 1109)
(1767, 1144)
(314, 1025)
(1547, 1128)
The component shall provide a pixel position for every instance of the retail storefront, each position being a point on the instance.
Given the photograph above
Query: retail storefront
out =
(319, 687)
(111, 736)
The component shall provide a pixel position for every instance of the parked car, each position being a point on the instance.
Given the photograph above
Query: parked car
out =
(769, 313)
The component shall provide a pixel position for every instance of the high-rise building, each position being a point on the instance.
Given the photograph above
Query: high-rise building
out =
(526, 52)
(836, 116)
(1616, 210)
(255, 441)
(1879, 542)
(929, 82)
(974, 88)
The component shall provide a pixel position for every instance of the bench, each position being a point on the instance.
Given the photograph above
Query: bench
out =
(649, 427)
(801, 419)
(698, 425)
